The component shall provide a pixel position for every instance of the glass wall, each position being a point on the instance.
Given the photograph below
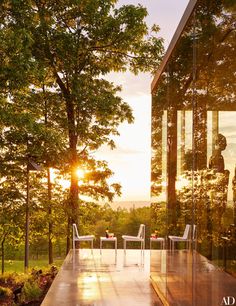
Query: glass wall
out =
(194, 162)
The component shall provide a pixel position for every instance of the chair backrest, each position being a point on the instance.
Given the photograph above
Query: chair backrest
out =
(75, 230)
(194, 233)
(141, 231)
(187, 231)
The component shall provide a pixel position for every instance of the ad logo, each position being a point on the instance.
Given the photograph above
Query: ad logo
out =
(228, 300)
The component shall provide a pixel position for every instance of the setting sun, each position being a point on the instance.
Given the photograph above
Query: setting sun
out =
(80, 173)
(65, 183)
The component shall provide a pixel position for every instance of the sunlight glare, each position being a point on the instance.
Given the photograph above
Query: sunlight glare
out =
(56, 178)
(80, 173)
(182, 182)
(64, 183)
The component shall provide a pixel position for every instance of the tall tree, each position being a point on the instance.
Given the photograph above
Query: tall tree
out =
(78, 42)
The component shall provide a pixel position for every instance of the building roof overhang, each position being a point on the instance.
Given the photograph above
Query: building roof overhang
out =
(187, 13)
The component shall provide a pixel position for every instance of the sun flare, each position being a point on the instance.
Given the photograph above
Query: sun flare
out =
(80, 173)
(65, 183)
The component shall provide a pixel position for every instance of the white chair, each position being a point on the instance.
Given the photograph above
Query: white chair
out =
(76, 237)
(194, 236)
(140, 238)
(185, 238)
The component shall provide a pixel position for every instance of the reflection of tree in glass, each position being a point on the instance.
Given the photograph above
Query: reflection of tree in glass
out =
(214, 38)
(211, 37)
(234, 194)
(158, 218)
(207, 196)
(156, 170)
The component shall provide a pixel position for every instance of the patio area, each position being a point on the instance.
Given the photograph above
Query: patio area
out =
(186, 278)
(103, 279)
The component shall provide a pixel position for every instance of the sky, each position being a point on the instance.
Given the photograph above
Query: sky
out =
(130, 161)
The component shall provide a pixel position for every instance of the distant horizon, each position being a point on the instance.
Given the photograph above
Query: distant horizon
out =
(127, 204)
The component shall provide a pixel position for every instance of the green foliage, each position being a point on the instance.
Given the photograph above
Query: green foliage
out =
(210, 199)
(14, 278)
(31, 286)
(31, 291)
(95, 219)
(67, 48)
(17, 266)
(58, 106)
(159, 219)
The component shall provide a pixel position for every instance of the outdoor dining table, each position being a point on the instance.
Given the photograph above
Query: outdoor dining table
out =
(109, 239)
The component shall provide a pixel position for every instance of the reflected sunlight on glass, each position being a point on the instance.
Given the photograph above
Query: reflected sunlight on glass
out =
(181, 182)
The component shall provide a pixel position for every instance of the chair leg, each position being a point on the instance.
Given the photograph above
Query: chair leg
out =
(124, 245)
(142, 247)
(73, 244)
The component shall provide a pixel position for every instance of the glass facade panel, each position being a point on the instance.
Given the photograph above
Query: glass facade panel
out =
(194, 162)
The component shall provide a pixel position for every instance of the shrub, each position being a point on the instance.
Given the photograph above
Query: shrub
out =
(13, 280)
(5, 292)
(31, 291)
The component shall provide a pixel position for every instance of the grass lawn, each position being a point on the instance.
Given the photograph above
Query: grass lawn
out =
(18, 265)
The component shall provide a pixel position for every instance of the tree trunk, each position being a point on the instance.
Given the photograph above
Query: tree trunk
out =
(215, 129)
(26, 263)
(171, 164)
(157, 148)
(50, 248)
(73, 203)
(3, 254)
(50, 225)
(74, 190)
(68, 236)
(72, 208)
(182, 147)
(200, 136)
(71, 121)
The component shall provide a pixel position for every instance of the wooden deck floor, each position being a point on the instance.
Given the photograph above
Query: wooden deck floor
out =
(103, 280)
(186, 278)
